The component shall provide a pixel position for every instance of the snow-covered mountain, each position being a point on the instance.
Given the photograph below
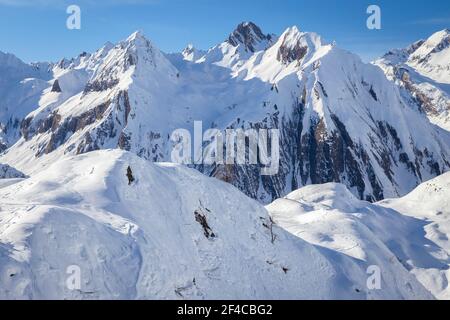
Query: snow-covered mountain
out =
(340, 120)
(21, 87)
(413, 231)
(171, 233)
(423, 69)
(91, 135)
(192, 54)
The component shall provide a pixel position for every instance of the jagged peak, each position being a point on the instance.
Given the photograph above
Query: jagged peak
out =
(442, 33)
(191, 53)
(291, 31)
(249, 35)
(292, 35)
(136, 54)
(189, 48)
(293, 45)
(137, 39)
(138, 34)
(437, 38)
(430, 43)
(437, 42)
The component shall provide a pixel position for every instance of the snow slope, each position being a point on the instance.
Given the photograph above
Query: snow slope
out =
(21, 86)
(430, 203)
(431, 58)
(172, 233)
(423, 69)
(411, 231)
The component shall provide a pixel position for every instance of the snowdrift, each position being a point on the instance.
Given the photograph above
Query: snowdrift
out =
(399, 235)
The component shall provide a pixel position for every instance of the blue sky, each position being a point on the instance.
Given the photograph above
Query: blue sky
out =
(35, 30)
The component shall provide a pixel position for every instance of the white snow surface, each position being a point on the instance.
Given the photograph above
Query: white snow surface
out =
(424, 69)
(409, 233)
(143, 241)
(430, 246)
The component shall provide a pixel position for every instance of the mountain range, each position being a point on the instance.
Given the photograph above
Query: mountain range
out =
(85, 178)
(340, 120)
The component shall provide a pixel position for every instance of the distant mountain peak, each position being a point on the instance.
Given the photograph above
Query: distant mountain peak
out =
(435, 43)
(138, 40)
(423, 69)
(190, 53)
(188, 50)
(138, 34)
(249, 35)
(294, 30)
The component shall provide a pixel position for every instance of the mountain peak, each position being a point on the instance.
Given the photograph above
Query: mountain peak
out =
(293, 30)
(249, 35)
(426, 53)
(294, 45)
(438, 37)
(189, 49)
(443, 32)
(138, 34)
(138, 39)
(190, 53)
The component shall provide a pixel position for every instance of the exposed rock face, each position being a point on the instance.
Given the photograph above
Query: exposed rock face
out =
(21, 86)
(56, 87)
(316, 155)
(293, 47)
(423, 70)
(100, 85)
(249, 35)
(7, 172)
(288, 55)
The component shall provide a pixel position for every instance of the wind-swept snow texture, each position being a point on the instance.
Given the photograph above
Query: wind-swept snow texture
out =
(172, 233)
(399, 235)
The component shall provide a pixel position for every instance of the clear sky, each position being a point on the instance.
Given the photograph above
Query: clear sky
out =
(35, 30)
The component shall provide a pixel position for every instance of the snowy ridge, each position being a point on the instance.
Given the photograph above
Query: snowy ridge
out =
(171, 234)
(423, 69)
(411, 231)
(430, 203)
(432, 58)
(21, 86)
